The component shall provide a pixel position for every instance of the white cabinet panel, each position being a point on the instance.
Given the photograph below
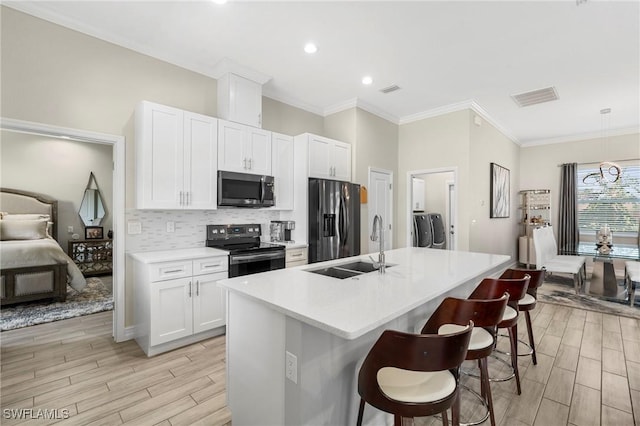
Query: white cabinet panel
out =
(201, 162)
(418, 194)
(240, 100)
(176, 158)
(329, 159)
(209, 302)
(243, 149)
(342, 161)
(282, 168)
(171, 310)
(177, 300)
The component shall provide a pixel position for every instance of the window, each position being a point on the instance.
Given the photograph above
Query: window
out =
(616, 204)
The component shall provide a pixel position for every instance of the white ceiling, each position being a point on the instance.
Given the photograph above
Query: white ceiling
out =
(443, 55)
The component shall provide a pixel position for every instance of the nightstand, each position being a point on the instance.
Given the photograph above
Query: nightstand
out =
(93, 257)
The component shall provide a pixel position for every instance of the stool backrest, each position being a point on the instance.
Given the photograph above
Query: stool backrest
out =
(536, 280)
(483, 313)
(408, 351)
(490, 288)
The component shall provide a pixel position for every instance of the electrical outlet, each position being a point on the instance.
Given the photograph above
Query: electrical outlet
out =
(134, 227)
(171, 226)
(291, 367)
(70, 229)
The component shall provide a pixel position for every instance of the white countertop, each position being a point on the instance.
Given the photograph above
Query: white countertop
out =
(291, 244)
(352, 307)
(177, 254)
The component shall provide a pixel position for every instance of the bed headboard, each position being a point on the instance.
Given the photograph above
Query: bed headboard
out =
(17, 201)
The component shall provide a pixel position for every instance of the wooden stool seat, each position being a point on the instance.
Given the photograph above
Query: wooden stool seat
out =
(528, 302)
(451, 315)
(491, 288)
(480, 338)
(416, 386)
(414, 375)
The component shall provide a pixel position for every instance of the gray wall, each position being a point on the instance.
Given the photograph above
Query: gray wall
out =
(59, 169)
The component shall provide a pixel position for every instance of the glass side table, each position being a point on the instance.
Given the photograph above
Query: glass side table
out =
(603, 278)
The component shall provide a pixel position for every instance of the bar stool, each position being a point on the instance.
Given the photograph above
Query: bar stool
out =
(516, 288)
(414, 375)
(485, 314)
(528, 302)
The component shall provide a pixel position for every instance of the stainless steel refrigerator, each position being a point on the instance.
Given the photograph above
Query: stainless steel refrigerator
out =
(334, 219)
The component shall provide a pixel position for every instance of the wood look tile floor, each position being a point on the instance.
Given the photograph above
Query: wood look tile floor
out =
(588, 373)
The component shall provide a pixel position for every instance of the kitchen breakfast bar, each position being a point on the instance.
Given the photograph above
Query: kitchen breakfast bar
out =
(295, 338)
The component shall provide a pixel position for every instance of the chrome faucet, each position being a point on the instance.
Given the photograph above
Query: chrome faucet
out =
(377, 234)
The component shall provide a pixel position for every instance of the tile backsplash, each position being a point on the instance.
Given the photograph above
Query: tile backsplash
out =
(190, 226)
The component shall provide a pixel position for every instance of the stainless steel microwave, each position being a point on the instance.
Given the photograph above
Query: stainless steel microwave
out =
(245, 190)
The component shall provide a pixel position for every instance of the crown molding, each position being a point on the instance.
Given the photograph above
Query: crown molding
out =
(365, 106)
(445, 109)
(293, 102)
(485, 115)
(581, 137)
(227, 65)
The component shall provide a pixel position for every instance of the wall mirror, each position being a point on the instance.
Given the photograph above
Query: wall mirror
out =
(92, 209)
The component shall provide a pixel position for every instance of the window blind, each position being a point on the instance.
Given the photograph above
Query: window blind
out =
(601, 202)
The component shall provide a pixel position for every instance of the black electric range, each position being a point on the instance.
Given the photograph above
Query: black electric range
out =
(247, 254)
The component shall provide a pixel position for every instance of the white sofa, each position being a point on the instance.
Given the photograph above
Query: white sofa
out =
(547, 257)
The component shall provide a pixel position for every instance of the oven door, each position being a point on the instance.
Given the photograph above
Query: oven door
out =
(251, 263)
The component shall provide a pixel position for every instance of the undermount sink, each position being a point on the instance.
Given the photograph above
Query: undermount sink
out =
(347, 270)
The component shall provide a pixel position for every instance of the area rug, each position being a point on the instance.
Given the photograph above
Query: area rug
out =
(559, 291)
(95, 297)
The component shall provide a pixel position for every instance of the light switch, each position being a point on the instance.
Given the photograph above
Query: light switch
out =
(171, 226)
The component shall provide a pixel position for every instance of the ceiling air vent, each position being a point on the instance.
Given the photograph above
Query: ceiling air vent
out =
(390, 89)
(536, 97)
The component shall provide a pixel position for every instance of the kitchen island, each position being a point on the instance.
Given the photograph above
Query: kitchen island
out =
(295, 339)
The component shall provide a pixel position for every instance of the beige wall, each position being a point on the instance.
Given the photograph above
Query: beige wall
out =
(282, 118)
(434, 143)
(59, 169)
(374, 144)
(488, 145)
(539, 165)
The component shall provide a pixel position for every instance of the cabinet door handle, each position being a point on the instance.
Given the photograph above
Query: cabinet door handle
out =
(260, 119)
(198, 288)
(250, 163)
(244, 162)
(296, 255)
(180, 197)
(188, 194)
(173, 271)
(189, 288)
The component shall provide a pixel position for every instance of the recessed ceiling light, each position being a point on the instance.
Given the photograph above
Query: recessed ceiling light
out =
(310, 48)
(367, 80)
(219, 1)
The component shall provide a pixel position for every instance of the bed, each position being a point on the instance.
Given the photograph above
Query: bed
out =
(33, 265)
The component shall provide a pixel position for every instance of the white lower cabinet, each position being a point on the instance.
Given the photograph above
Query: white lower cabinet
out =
(296, 256)
(177, 302)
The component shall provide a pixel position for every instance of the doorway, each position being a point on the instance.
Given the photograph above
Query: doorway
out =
(436, 193)
(118, 152)
(380, 203)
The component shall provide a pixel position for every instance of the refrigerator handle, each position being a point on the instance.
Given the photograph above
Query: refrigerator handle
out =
(416, 243)
(344, 222)
(339, 221)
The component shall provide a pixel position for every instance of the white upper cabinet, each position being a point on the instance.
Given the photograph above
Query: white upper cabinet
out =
(176, 158)
(418, 194)
(243, 148)
(329, 159)
(240, 100)
(282, 167)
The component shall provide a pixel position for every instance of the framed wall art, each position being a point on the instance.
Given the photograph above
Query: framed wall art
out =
(93, 233)
(500, 191)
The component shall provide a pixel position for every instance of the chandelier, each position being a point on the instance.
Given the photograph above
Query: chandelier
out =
(608, 172)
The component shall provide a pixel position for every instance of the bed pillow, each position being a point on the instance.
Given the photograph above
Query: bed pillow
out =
(23, 230)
